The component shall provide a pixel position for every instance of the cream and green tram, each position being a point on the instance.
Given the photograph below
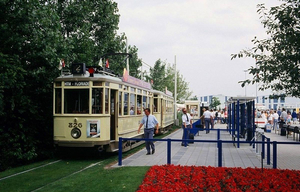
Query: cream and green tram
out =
(94, 110)
(163, 109)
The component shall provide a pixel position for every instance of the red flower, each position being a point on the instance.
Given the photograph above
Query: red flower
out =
(192, 178)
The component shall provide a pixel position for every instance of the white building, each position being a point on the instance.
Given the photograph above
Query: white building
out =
(285, 102)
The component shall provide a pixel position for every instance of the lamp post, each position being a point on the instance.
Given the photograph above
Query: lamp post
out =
(245, 80)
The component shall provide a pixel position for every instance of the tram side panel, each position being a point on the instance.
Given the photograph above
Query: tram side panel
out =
(81, 131)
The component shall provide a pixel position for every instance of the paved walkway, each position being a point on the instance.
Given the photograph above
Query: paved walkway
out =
(206, 154)
(288, 156)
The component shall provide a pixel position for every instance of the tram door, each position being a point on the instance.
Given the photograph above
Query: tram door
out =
(113, 114)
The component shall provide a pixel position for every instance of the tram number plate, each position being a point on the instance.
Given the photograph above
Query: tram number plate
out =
(75, 125)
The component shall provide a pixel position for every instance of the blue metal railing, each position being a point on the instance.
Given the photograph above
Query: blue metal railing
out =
(219, 145)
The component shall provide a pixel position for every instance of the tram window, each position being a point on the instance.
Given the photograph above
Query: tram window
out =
(144, 92)
(126, 100)
(148, 102)
(97, 101)
(120, 103)
(106, 100)
(144, 102)
(132, 104)
(139, 91)
(120, 86)
(132, 89)
(107, 84)
(139, 104)
(58, 101)
(76, 101)
(155, 104)
(58, 84)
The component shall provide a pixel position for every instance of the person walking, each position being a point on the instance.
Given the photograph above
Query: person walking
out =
(275, 121)
(186, 124)
(207, 119)
(283, 115)
(294, 116)
(149, 122)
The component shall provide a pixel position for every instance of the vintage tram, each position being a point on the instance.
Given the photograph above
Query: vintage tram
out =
(94, 107)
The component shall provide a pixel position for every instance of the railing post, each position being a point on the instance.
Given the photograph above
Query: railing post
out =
(169, 151)
(274, 155)
(219, 153)
(219, 134)
(268, 152)
(253, 145)
(263, 146)
(120, 151)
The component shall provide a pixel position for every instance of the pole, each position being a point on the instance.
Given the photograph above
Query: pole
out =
(142, 75)
(127, 60)
(169, 151)
(245, 84)
(175, 90)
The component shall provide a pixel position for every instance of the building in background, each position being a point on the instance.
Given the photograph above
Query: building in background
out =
(262, 102)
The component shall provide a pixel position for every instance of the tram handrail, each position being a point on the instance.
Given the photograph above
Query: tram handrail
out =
(219, 142)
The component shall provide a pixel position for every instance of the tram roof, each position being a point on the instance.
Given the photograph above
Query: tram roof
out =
(240, 99)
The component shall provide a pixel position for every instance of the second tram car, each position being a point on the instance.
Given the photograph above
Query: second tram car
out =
(95, 108)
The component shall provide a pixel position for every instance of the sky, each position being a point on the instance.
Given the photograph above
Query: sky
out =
(202, 34)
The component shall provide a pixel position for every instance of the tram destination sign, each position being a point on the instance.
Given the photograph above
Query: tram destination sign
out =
(77, 83)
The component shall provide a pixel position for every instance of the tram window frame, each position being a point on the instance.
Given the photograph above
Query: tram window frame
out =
(155, 105)
(106, 100)
(132, 89)
(120, 103)
(126, 103)
(68, 97)
(95, 101)
(58, 99)
(132, 101)
(139, 104)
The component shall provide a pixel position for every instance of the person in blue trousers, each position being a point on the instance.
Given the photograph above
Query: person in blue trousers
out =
(150, 123)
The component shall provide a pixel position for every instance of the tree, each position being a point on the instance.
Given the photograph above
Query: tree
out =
(183, 92)
(157, 75)
(277, 66)
(214, 103)
(194, 98)
(35, 35)
(30, 43)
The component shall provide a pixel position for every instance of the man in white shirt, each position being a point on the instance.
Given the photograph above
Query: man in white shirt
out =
(275, 117)
(207, 119)
(283, 115)
(186, 123)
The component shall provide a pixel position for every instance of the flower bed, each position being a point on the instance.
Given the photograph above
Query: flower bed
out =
(192, 178)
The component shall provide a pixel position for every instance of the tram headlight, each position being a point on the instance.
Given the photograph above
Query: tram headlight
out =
(75, 133)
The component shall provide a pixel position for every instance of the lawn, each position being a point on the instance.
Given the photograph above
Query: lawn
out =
(76, 174)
